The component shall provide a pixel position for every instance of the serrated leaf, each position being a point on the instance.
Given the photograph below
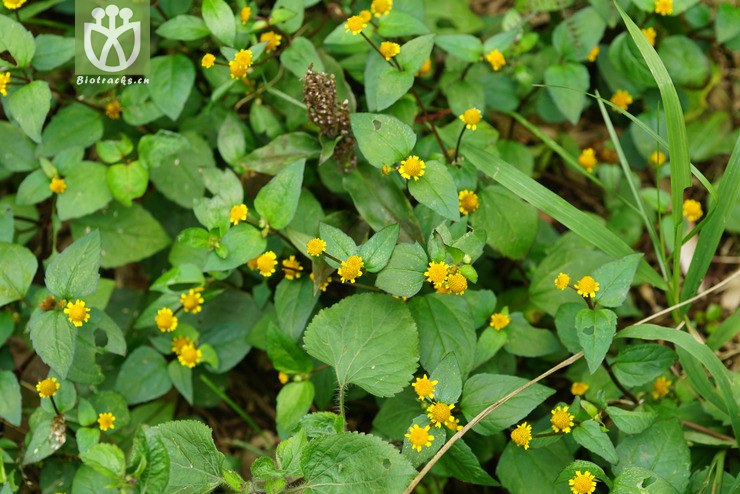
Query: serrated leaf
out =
(377, 251)
(220, 20)
(638, 364)
(106, 459)
(383, 139)
(596, 329)
(293, 402)
(404, 274)
(75, 272)
(277, 201)
(172, 78)
(436, 190)
(242, 242)
(10, 405)
(589, 435)
(17, 269)
(29, 105)
(615, 279)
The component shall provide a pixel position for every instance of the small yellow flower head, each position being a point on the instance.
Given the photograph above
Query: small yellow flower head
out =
(238, 213)
(386, 170)
(190, 356)
(389, 49)
(457, 283)
(283, 377)
(192, 300)
(664, 7)
(437, 273)
(522, 435)
(499, 321)
(587, 159)
(105, 421)
(365, 15)
(412, 167)
(650, 35)
(77, 313)
(240, 64)
(113, 110)
(266, 263)
(623, 99)
(587, 287)
(166, 320)
(252, 263)
(292, 268)
(355, 24)
(468, 201)
(453, 424)
(180, 342)
(562, 281)
(471, 118)
(47, 387)
(13, 4)
(58, 185)
(657, 158)
(561, 420)
(4, 78)
(583, 483)
(324, 285)
(244, 15)
(661, 387)
(593, 54)
(419, 437)
(692, 210)
(424, 70)
(381, 7)
(424, 387)
(315, 247)
(496, 59)
(578, 388)
(440, 413)
(208, 60)
(351, 269)
(273, 40)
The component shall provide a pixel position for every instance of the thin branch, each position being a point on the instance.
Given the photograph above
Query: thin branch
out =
(621, 387)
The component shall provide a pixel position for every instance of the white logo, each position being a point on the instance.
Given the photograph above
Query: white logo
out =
(112, 33)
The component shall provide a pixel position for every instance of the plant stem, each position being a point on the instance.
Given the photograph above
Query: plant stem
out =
(341, 405)
(54, 404)
(431, 124)
(621, 387)
(457, 146)
(232, 404)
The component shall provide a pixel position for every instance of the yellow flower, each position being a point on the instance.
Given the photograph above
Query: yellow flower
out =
(113, 110)
(351, 269)
(442, 289)
(623, 99)
(441, 414)
(283, 377)
(664, 7)
(324, 284)
(562, 281)
(4, 81)
(692, 210)
(453, 424)
(191, 301)
(245, 14)
(587, 159)
(381, 7)
(105, 421)
(252, 263)
(13, 4)
(657, 158)
(365, 15)
(238, 213)
(47, 387)
(386, 170)
(273, 40)
(522, 435)
(587, 287)
(389, 49)
(424, 387)
(457, 283)
(561, 420)
(166, 320)
(180, 342)
(468, 201)
(77, 313)
(315, 247)
(58, 185)
(471, 117)
(208, 60)
(593, 54)
(241, 63)
(437, 273)
(650, 35)
(419, 437)
(292, 268)
(578, 388)
(190, 356)
(661, 387)
(583, 483)
(496, 59)
(499, 321)
(266, 263)
(424, 70)
(355, 24)
(412, 167)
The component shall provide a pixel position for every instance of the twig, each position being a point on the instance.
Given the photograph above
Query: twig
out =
(232, 404)
(621, 387)
(708, 432)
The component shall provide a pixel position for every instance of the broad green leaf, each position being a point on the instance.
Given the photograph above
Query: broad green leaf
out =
(489, 343)
(74, 272)
(182, 379)
(185, 28)
(383, 139)
(114, 150)
(461, 462)
(42, 443)
(415, 52)
(16, 150)
(285, 354)
(579, 466)
(596, 329)
(398, 23)
(294, 303)
(150, 452)
(463, 46)
(294, 18)
(631, 421)
(370, 340)
(10, 405)
(277, 201)
(436, 190)
(637, 480)
(154, 149)
(106, 459)
(53, 339)
(74, 126)
(288, 454)
(220, 20)
(573, 76)
(231, 141)
(87, 190)
(685, 61)
(533, 470)
(280, 152)
(17, 40)
(396, 414)
(404, 274)
(615, 279)
(638, 364)
(575, 36)
(299, 55)
(439, 436)
(143, 376)
(179, 176)
(127, 182)
(242, 242)
(525, 340)
(28, 106)
(338, 243)
(86, 438)
(52, 51)
(378, 249)
(172, 78)
(293, 402)
(88, 481)
(727, 23)
(447, 372)
(17, 269)
(589, 435)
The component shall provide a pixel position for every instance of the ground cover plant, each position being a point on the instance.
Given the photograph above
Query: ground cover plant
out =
(373, 247)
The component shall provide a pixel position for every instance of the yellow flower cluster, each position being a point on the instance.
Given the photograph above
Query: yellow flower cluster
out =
(586, 286)
(389, 49)
(471, 118)
(692, 210)
(561, 421)
(77, 313)
(106, 420)
(272, 39)
(238, 213)
(239, 66)
(499, 320)
(496, 59)
(351, 269)
(57, 185)
(587, 159)
(4, 83)
(622, 99)
(439, 414)
(468, 201)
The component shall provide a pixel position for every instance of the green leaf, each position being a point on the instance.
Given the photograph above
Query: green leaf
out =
(596, 329)
(28, 106)
(414, 53)
(573, 76)
(294, 303)
(436, 190)
(127, 182)
(637, 364)
(88, 481)
(377, 251)
(10, 405)
(86, 438)
(368, 464)
(106, 459)
(338, 243)
(87, 190)
(280, 152)
(533, 470)
(53, 340)
(16, 150)
(277, 201)
(300, 55)
(231, 141)
(293, 402)
(525, 340)
(74, 126)
(285, 354)
(220, 20)
(615, 279)
(438, 439)
(589, 435)
(483, 390)
(398, 23)
(464, 46)
(143, 376)
(16, 40)
(375, 348)
(154, 149)
(685, 62)
(288, 454)
(447, 372)
(404, 274)
(179, 176)
(114, 151)
(184, 28)
(578, 34)
(182, 379)
(579, 466)
(460, 462)
(637, 480)
(17, 269)
(52, 51)
(388, 83)
(172, 78)
(632, 421)
(383, 139)
(74, 272)
(242, 242)
(727, 23)
(41, 445)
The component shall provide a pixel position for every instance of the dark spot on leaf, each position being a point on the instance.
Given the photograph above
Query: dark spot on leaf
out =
(386, 463)
(377, 124)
